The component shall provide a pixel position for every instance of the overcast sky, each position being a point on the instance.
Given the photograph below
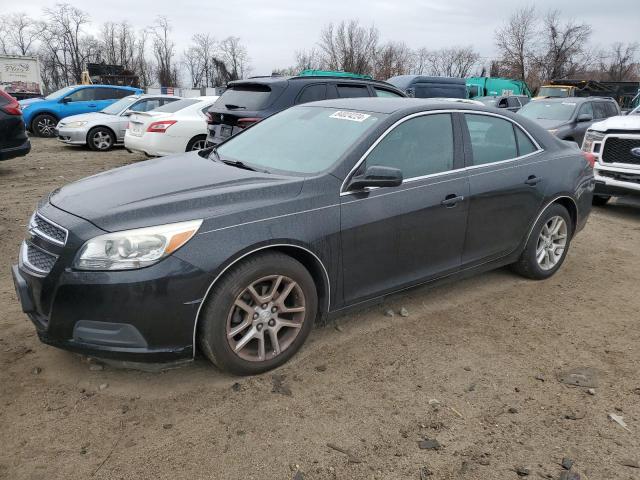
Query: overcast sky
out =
(273, 30)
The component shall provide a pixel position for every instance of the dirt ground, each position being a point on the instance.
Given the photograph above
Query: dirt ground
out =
(475, 365)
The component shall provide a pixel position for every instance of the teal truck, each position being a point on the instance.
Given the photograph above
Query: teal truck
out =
(495, 86)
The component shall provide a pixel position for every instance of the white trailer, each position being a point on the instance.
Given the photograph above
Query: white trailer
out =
(20, 76)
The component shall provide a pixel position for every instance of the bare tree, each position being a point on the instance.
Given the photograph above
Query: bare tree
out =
(393, 58)
(20, 33)
(118, 44)
(515, 42)
(563, 46)
(141, 65)
(163, 51)
(235, 57)
(620, 62)
(349, 47)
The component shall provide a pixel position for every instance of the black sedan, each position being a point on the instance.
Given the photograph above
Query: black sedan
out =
(13, 137)
(237, 251)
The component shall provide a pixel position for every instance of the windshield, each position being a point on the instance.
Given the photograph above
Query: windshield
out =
(59, 93)
(557, 92)
(120, 105)
(177, 105)
(300, 139)
(541, 110)
(246, 97)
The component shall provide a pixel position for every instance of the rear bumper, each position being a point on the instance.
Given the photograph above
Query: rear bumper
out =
(13, 152)
(154, 144)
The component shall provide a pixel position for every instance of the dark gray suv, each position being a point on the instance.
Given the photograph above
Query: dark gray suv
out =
(569, 118)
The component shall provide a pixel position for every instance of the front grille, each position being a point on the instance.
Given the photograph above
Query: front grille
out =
(618, 150)
(48, 230)
(37, 259)
(620, 176)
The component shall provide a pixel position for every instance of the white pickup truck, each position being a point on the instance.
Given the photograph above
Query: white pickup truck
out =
(615, 142)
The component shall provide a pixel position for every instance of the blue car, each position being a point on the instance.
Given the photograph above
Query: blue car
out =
(41, 115)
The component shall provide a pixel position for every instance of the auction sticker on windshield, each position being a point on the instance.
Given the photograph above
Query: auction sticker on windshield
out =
(353, 116)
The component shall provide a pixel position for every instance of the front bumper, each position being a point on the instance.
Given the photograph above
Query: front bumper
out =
(616, 181)
(144, 315)
(72, 136)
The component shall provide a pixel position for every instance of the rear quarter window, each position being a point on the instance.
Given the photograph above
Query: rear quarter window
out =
(381, 92)
(312, 93)
(351, 91)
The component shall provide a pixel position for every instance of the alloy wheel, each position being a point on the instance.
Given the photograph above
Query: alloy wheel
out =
(552, 242)
(102, 140)
(265, 318)
(198, 145)
(45, 127)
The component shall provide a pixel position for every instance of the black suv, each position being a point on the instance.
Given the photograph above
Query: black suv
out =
(569, 118)
(246, 102)
(13, 138)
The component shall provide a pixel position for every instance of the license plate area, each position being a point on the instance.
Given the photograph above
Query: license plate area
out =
(136, 129)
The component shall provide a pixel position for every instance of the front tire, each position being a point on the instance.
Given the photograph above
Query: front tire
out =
(259, 314)
(100, 139)
(44, 125)
(547, 245)
(601, 200)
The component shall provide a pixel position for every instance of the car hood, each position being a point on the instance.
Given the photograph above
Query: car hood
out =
(29, 101)
(171, 189)
(86, 117)
(623, 122)
(550, 124)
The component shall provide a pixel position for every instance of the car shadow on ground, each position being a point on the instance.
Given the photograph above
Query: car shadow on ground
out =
(623, 208)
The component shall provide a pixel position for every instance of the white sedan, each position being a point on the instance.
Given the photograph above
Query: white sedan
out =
(174, 128)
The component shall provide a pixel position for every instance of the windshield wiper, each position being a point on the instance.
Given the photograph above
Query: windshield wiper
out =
(240, 164)
(231, 106)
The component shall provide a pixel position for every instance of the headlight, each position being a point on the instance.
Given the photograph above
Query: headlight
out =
(75, 124)
(589, 139)
(137, 248)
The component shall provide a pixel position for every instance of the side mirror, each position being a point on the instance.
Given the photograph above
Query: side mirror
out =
(127, 113)
(66, 99)
(585, 117)
(376, 176)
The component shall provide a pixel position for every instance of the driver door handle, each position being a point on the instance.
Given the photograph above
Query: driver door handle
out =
(532, 181)
(451, 200)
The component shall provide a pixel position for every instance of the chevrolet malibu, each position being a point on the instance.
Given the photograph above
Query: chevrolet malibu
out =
(235, 252)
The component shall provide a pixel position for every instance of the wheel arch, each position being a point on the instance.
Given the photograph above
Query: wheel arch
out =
(42, 112)
(567, 202)
(204, 135)
(310, 260)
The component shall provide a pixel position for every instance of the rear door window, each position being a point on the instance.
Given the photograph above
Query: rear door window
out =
(313, 93)
(250, 97)
(600, 110)
(84, 95)
(611, 108)
(350, 91)
(513, 102)
(492, 139)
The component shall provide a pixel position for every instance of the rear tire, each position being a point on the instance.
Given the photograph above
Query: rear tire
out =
(197, 143)
(44, 125)
(100, 139)
(268, 294)
(548, 244)
(601, 200)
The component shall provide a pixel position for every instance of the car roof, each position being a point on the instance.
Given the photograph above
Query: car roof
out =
(99, 85)
(308, 78)
(573, 99)
(388, 105)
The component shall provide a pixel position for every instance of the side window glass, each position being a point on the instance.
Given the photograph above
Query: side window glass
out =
(492, 139)
(525, 145)
(587, 109)
(313, 93)
(380, 92)
(612, 110)
(83, 95)
(349, 91)
(600, 110)
(513, 102)
(420, 146)
(146, 105)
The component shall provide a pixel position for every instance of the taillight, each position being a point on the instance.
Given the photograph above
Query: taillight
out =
(160, 126)
(209, 117)
(590, 158)
(247, 122)
(13, 107)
